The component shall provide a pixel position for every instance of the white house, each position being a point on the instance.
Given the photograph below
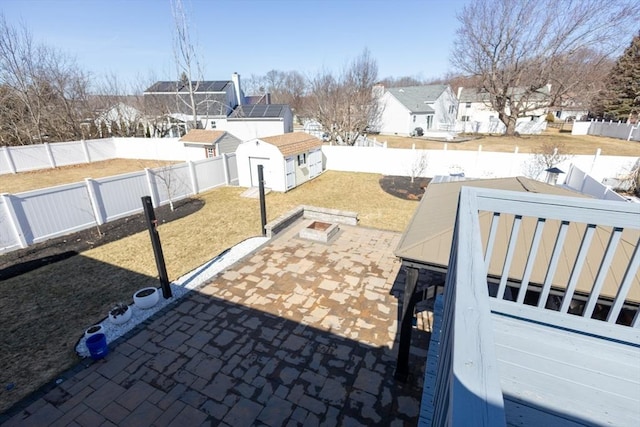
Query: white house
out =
(259, 120)
(475, 114)
(403, 109)
(288, 160)
(202, 143)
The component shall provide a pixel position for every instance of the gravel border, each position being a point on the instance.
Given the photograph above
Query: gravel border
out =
(179, 289)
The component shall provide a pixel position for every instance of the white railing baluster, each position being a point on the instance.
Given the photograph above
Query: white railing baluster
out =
(577, 267)
(553, 265)
(602, 271)
(495, 220)
(531, 259)
(513, 239)
(625, 286)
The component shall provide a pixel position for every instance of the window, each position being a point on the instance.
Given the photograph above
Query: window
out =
(211, 152)
(414, 118)
(213, 125)
(302, 159)
(466, 118)
(468, 105)
(429, 122)
(452, 109)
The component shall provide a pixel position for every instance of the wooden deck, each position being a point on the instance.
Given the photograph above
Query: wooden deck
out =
(550, 376)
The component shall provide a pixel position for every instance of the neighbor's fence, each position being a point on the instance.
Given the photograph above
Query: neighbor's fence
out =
(34, 216)
(610, 129)
(474, 164)
(524, 126)
(44, 156)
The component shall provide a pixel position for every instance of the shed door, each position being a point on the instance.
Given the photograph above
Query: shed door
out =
(290, 172)
(253, 168)
(315, 162)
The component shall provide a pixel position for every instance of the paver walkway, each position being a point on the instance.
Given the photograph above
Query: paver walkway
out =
(298, 333)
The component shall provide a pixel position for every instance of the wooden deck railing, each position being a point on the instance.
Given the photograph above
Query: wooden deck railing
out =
(467, 386)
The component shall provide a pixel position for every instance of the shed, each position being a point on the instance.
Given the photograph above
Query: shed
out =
(288, 160)
(201, 143)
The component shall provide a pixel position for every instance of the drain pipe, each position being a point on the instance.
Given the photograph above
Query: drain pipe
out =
(263, 207)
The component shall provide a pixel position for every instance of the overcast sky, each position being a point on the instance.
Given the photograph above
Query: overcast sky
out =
(133, 38)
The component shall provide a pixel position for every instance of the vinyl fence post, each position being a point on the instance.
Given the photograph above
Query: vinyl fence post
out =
(152, 225)
(193, 176)
(225, 166)
(153, 187)
(13, 219)
(96, 201)
(52, 160)
(85, 150)
(7, 155)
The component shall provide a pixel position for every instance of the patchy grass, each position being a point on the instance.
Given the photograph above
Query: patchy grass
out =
(43, 313)
(574, 144)
(42, 178)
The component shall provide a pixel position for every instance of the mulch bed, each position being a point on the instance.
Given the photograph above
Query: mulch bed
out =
(403, 188)
(21, 261)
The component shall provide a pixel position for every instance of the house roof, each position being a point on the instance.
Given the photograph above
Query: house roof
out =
(260, 111)
(202, 136)
(417, 98)
(293, 143)
(199, 86)
(427, 238)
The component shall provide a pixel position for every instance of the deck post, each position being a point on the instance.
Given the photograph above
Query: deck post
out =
(409, 300)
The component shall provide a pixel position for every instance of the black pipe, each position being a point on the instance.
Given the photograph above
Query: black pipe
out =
(157, 246)
(263, 207)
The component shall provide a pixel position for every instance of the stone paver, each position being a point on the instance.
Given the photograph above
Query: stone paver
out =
(298, 333)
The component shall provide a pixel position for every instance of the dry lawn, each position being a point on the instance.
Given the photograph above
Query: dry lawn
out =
(43, 178)
(43, 313)
(573, 144)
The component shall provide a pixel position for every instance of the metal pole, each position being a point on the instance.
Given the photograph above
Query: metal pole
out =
(157, 246)
(263, 207)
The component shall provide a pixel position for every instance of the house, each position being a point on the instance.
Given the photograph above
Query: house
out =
(202, 143)
(220, 105)
(538, 323)
(403, 109)
(475, 114)
(288, 160)
(260, 120)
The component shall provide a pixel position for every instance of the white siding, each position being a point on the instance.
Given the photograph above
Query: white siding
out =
(274, 169)
(395, 118)
(246, 130)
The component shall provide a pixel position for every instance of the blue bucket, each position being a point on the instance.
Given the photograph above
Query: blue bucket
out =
(97, 345)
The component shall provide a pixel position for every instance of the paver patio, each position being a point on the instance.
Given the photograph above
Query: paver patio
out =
(296, 333)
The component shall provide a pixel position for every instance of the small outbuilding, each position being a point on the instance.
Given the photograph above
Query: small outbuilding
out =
(288, 160)
(202, 143)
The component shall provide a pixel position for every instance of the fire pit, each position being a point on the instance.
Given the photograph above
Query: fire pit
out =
(319, 231)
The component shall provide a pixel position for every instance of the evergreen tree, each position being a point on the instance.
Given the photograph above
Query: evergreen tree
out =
(621, 98)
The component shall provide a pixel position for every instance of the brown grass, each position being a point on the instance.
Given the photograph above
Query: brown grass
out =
(25, 181)
(43, 313)
(575, 144)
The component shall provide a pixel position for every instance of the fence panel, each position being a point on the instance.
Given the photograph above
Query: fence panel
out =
(210, 173)
(67, 153)
(8, 240)
(4, 162)
(54, 211)
(172, 182)
(30, 157)
(101, 149)
(232, 165)
(120, 195)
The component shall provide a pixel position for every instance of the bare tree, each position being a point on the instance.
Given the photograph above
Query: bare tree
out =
(346, 105)
(44, 93)
(419, 165)
(516, 48)
(186, 61)
(547, 155)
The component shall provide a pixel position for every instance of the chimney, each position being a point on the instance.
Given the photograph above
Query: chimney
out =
(459, 92)
(235, 78)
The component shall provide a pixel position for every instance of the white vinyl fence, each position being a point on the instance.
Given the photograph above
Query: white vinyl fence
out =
(35, 216)
(610, 129)
(582, 182)
(474, 164)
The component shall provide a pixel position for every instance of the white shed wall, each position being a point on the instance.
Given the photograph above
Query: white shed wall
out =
(274, 168)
